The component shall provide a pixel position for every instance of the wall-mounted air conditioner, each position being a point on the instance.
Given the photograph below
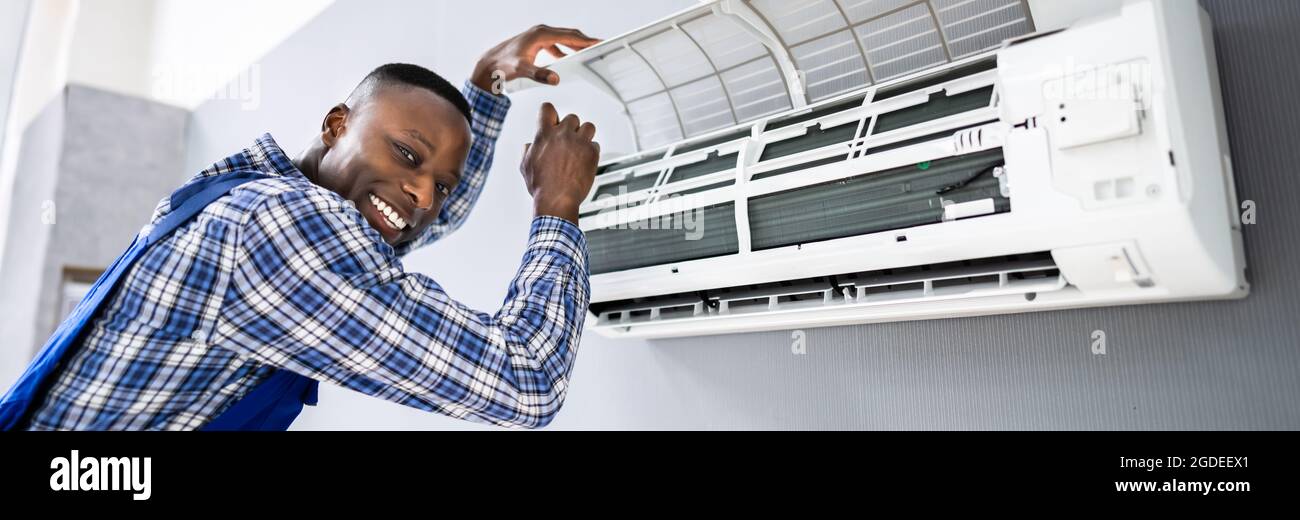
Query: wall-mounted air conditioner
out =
(823, 162)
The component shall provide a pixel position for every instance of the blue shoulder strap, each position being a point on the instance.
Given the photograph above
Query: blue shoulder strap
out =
(273, 404)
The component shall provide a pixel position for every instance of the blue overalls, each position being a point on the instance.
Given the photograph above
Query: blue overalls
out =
(272, 405)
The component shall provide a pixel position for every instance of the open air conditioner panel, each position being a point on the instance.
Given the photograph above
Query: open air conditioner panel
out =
(875, 199)
(819, 162)
(735, 61)
(898, 198)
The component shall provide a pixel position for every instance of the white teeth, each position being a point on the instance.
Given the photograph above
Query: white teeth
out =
(391, 215)
(397, 222)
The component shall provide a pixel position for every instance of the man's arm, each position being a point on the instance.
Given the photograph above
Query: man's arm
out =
(313, 293)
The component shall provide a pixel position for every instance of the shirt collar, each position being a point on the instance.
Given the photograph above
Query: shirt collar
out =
(267, 156)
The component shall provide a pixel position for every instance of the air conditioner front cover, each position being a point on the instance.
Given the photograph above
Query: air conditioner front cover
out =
(731, 62)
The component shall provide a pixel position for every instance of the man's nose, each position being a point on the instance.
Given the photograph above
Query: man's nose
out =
(420, 194)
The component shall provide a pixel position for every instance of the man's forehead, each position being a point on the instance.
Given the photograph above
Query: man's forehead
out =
(416, 134)
(410, 97)
(417, 113)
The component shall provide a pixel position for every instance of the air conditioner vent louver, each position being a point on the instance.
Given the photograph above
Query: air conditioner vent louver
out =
(797, 167)
(631, 183)
(701, 144)
(881, 201)
(832, 108)
(714, 163)
(707, 187)
(627, 163)
(816, 137)
(1013, 274)
(971, 69)
(622, 204)
(662, 240)
(939, 106)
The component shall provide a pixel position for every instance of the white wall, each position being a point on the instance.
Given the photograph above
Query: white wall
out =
(111, 45)
(13, 21)
(196, 50)
(177, 51)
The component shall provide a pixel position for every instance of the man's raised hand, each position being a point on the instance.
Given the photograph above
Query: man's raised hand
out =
(559, 166)
(516, 57)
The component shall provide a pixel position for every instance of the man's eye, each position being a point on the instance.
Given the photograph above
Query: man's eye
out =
(407, 154)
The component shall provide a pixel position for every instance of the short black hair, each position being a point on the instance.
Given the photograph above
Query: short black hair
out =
(413, 76)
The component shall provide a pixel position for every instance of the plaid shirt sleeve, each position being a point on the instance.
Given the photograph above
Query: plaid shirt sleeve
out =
(316, 291)
(488, 112)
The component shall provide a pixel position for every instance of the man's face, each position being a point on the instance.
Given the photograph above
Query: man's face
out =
(397, 156)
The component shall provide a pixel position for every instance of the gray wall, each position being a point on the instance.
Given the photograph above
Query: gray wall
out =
(120, 155)
(1218, 365)
(91, 169)
(24, 253)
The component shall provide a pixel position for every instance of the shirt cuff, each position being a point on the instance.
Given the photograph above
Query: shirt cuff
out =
(554, 235)
(488, 109)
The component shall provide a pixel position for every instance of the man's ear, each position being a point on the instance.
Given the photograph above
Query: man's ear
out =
(334, 123)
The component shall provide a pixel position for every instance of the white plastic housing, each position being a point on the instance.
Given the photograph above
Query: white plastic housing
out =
(1116, 166)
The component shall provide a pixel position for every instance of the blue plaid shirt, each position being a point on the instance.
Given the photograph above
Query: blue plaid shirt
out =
(284, 273)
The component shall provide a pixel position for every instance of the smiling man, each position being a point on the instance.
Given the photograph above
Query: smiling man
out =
(291, 274)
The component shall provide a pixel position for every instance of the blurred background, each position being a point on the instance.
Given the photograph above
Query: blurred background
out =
(108, 105)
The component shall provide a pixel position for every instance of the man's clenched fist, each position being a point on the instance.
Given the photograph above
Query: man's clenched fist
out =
(559, 166)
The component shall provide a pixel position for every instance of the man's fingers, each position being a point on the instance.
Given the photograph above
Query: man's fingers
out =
(587, 130)
(548, 117)
(570, 122)
(571, 38)
(523, 159)
(547, 76)
(549, 39)
(579, 38)
(596, 145)
(576, 43)
(539, 74)
(556, 51)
